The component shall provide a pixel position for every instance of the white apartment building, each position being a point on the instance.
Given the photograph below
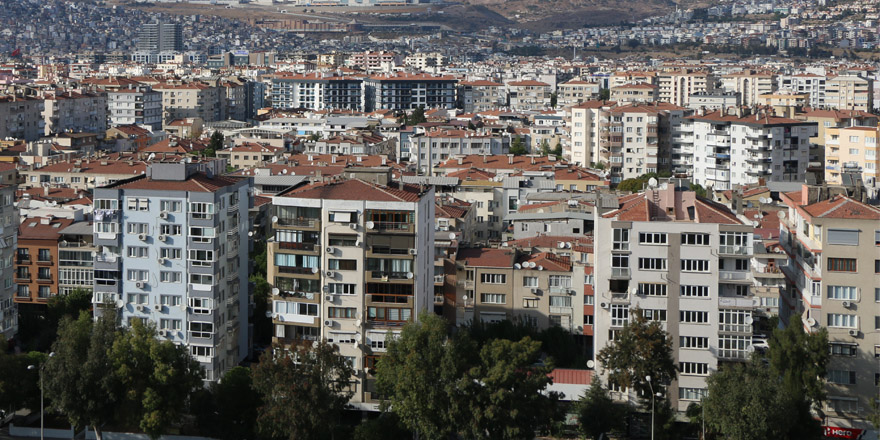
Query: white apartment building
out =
(833, 243)
(806, 83)
(684, 262)
(850, 92)
(750, 85)
(351, 261)
(585, 131)
(135, 106)
(173, 250)
(8, 244)
(731, 150)
(676, 87)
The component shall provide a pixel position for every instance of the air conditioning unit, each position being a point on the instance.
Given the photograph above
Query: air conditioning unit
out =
(139, 308)
(163, 332)
(846, 304)
(328, 323)
(140, 284)
(161, 261)
(328, 297)
(853, 332)
(603, 305)
(353, 226)
(329, 274)
(162, 238)
(534, 290)
(158, 307)
(163, 215)
(572, 292)
(142, 237)
(412, 251)
(330, 250)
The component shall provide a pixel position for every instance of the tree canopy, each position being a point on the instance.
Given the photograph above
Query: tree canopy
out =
(597, 413)
(517, 147)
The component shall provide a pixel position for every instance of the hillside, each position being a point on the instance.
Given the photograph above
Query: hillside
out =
(544, 15)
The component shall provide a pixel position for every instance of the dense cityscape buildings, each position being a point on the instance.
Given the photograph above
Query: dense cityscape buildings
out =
(249, 177)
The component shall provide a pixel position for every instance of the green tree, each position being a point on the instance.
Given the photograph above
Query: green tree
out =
(215, 144)
(597, 413)
(554, 99)
(421, 373)
(80, 380)
(304, 391)
(640, 350)
(631, 185)
(699, 190)
(417, 116)
(517, 147)
(19, 387)
(800, 359)
(506, 392)
(471, 126)
(749, 402)
(158, 378)
(557, 150)
(228, 409)
(545, 148)
(604, 94)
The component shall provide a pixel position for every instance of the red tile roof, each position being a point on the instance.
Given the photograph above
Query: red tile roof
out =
(198, 182)
(356, 189)
(34, 229)
(486, 257)
(843, 207)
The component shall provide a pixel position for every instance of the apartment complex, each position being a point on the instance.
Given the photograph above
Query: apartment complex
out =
(750, 85)
(833, 244)
(193, 100)
(576, 91)
(317, 91)
(351, 261)
(139, 105)
(676, 87)
(585, 131)
(170, 251)
(848, 92)
(529, 95)
(406, 91)
(8, 243)
(685, 262)
(21, 118)
(852, 149)
(437, 146)
(160, 37)
(737, 149)
(480, 96)
(36, 259)
(73, 111)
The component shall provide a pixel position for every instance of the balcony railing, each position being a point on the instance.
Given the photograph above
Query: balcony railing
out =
(390, 275)
(620, 272)
(298, 222)
(729, 275)
(733, 250)
(438, 279)
(393, 226)
(297, 270)
(297, 246)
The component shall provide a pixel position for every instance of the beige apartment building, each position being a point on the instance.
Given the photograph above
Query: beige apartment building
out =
(852, 148)
(586, 120)
(575, 91)
(676, 87)
(849, 92)
(21, 118)
(749, 84)
(194, 100)
(250, 154)
(480, 96)
(529, 95)
(784, 105)
(639, 92)
(833, 245)
(73, 111)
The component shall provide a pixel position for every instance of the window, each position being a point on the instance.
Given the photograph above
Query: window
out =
(652, 238)
(530, 281)
(170, 253)
(170, 205)
(138, 252)
(337, 264)
(167, 229)
(201, 306)
(200, 351)
(692, 393)
(652, 263)
(655, 314)
(693, 317)
(621, 240)
(137, 204)
(560, 301)
(841, 320)
(138, 275)
(845, 237)
(849, 293)
(694, 265)
(563, 281)
(694, 342)
(652, 289)
(293, 308)
(195, 278)
(201, 257)
(694, 291)
(342, 338)
(201, 329)
(493, 278)
(693, 368)
(169, 277)
(842, 264)
(695, 239)
(138, 228)
(169, 300)
(848, 350)
(341, 289)
(619, 315)
(343, 216)
(842, 377)
(530, 303)
(106, 204)
(340, 240)
(844, 404)
(201, 210)
(169, 324)
(342, 312)
(493, 298)
(202, 234)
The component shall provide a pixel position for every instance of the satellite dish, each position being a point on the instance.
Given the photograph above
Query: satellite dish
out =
(517, 266)
(409, 275)
(275, 219)
(268, 313)
(652, 182)
(464, 297)
(591, 364)
(749, 320)
(540, 267)
(452, 235)
(314, 270)
(756, 216)
(358, 324)
(251, 234)
(371, 225)
(568, 245)
(315, 344)
(357, 336)
(781, 215)
(275, 291)
(532, 264)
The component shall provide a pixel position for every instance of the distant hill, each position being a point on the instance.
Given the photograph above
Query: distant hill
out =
(546, 15)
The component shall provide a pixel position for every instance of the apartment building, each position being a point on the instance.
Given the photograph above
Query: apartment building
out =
(139, 105)
(406, 91)
(749, 84)
(575, 91)
(82, 173)
(21, 118)
(539, 289)
(74, 111)
(631, 93)
(529, 95)
(677, 87)
(36, 259)
(834, 274)
(849, 92)
(586, 123)
(76, 261)
(638, 138)
(784, 105)
(437, 146)
(422, 61)
(561, 218)
(160, 37)
(250, 154)
(351, 261)
(717, 100)
(8, 243)
(809, 83)
(737, 149)
(684, 261)
(852, 148)
(193, 100)
(173, 250)
(317, 91)
(380, 60)
(480, 96)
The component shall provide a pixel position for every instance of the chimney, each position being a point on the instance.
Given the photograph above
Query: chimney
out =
(333, 158)
(510, 159)
(46, 191)
(384, 160)
(460, 160)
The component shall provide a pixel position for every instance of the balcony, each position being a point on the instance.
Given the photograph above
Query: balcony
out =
(22, 279)
(733, 250)
(393, 227)
(734, 276)
(438, 279)
(383, 276)
(554, 310)
(44, 261)
(44, 280)
(294, 246)
(620, 272)
(298, 223)
(23, 259)
(290, 270)
(733, 355)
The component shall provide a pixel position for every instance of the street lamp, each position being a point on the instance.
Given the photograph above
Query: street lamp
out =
(648, 378)
(42, 408)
